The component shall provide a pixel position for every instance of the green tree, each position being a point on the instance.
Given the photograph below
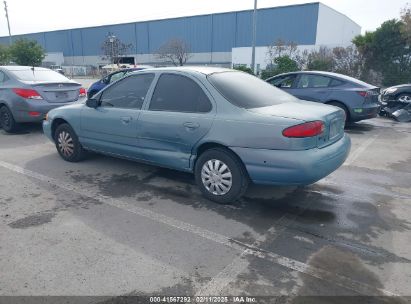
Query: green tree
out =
(4, 55)
(386, 51)
(320, 60)
(406, 20)
(27, 52)
(243, 68)
(282, 64)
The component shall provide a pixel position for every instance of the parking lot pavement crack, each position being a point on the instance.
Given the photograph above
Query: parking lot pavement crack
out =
(272, 257)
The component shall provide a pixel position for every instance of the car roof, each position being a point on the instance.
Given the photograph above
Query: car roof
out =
(21, 68)
(331, 74)
(199, 69)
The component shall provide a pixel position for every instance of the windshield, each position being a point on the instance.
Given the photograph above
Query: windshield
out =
(38, 75)
(247, 91)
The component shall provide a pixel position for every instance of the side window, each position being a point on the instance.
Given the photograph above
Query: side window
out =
(128, 93)
(283, 82)
(3, 77)
(116, 76)
(177, 93)
(335, 82)
(313, 81)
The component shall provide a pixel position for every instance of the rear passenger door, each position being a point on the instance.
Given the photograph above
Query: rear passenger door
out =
(180, 113)
(313, 87)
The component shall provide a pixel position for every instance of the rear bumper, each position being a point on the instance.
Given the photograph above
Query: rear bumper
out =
(365, 112)
(280, 167)
(24, 111)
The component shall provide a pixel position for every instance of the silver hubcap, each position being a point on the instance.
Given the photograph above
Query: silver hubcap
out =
(405, 98)
(65, 143)
(216, 177)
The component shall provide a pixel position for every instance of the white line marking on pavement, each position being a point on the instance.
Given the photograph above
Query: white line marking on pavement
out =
(289, 263)
(217, 284)
(354, 155)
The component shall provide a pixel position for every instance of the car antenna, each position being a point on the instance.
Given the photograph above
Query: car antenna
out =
(32, 69)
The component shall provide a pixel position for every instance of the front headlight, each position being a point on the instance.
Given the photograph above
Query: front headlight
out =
(390, 90)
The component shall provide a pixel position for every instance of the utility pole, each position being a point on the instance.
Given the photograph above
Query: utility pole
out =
(253, 66)
(7, 17)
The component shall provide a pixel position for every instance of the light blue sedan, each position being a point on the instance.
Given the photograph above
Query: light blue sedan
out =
(225, 126)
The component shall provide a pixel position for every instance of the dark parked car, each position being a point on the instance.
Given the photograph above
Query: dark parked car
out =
(358, 99)
(401, 93)
(226, 127)
(112, 77)
(28, 93)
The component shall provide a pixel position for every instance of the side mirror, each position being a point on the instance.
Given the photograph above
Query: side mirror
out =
(92, 103)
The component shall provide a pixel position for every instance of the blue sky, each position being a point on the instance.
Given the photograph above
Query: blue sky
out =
(27, 16)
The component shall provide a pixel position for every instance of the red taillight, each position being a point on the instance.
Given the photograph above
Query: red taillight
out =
(34, 114)
(308, 129)
(82, 92)
(27, 93)
(362, 93)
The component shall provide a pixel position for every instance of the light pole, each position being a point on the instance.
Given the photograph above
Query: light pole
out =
(7, 17)
(253, 66)
(111, 39)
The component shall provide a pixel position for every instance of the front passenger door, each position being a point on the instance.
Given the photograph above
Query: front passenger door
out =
(112, 127)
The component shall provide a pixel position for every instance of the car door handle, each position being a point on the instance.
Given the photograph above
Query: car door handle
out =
(191, 125)
(126, 119)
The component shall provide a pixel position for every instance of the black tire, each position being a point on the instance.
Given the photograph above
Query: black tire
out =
(67, 144)
(342, 107)
(239, 177)
(404, 98)
(7, 121)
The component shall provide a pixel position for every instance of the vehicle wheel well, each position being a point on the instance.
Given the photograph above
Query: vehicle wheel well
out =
(211, 145)
(57, 122)
(331, 102)
(207, 146)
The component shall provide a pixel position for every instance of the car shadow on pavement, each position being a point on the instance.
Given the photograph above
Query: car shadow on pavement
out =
(29, 128)
(358, 128)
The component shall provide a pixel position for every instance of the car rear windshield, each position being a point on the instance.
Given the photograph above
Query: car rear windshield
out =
(247, 91)
(38, 75)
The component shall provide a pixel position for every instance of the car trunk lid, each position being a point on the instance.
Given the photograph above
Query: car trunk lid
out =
(60, 92)
(332, 117)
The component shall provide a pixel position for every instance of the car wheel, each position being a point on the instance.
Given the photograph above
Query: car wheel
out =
(7, 121)
(404, 98)
(221, 176)
(342, 107)
(67, 144)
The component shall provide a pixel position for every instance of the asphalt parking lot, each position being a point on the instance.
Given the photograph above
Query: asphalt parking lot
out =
(110, 227)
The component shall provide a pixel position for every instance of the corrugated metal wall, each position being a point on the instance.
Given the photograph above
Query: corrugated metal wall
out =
(207, 33)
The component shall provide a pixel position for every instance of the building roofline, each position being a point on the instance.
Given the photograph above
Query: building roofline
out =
(338, 12)
(172, 18)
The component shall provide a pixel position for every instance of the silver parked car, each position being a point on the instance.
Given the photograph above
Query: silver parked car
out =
(28, 93)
